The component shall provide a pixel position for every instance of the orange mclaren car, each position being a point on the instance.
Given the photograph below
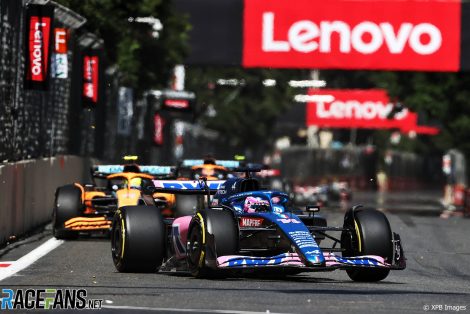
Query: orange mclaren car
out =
(90, 207)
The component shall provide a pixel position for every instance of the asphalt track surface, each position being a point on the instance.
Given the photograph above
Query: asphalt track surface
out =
(437, 278)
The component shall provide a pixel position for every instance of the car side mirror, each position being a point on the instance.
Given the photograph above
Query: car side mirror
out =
(115, 187)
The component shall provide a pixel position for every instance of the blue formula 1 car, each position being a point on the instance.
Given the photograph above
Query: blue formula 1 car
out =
(242, 228)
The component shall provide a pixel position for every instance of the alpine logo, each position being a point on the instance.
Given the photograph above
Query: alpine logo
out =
(365, 37)
(251, 222)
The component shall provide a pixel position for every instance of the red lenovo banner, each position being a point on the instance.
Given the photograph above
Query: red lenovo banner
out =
(370, 109)
(354, 34)
(158, 123)
(39, 20)
(178, 100)
(90, 78)
(176, 103)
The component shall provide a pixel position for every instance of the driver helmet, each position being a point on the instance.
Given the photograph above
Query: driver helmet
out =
(135, 183)
(255, 204)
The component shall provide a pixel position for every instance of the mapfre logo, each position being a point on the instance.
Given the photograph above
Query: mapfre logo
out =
(250, 222)
(352, 34)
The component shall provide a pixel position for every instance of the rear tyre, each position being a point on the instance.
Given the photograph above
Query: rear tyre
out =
(371, 236)
(68, 204)
(138, 239)
(215, 224)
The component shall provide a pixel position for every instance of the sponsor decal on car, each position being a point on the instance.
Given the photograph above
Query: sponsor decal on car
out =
(108, 169)
(250, 222)
(303, 239)
(289, 220)
(278, 209)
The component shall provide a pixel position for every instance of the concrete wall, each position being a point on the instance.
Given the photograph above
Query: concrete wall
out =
(27, 190)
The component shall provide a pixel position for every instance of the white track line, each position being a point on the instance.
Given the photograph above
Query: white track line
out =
(164, 309)
(29, 258)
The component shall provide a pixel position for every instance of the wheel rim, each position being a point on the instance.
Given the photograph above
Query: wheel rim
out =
(54, 220)
(117, 241)
(194, 246)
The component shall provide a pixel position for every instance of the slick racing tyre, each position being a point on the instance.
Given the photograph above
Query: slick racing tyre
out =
(138, 239)
(212, 233)
(68, 204)
(371, 236)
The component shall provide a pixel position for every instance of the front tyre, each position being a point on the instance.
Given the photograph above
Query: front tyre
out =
(138, 239)
(212, 233)
(371, 235)
(68, 204)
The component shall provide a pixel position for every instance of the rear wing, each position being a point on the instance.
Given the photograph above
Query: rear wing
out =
(229, 164)
(186, 187)
(102, 171)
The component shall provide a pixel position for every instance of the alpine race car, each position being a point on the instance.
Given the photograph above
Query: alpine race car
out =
(242, 228)
(90, 207)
